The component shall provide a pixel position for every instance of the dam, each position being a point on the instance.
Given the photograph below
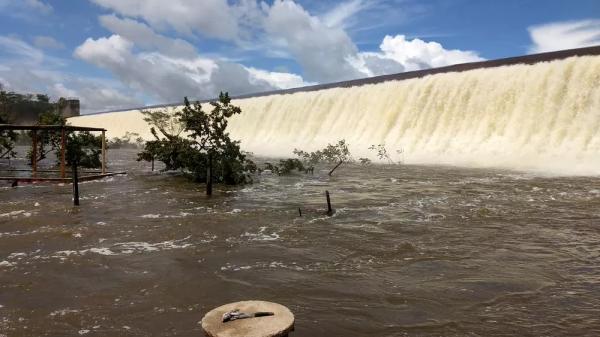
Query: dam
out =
(534, 113)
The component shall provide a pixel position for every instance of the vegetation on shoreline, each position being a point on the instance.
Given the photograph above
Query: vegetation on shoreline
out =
(82, 147)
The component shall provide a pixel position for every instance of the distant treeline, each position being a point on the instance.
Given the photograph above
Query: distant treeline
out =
(16, 108)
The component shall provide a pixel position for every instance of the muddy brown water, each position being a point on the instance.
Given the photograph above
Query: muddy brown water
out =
(411, 251)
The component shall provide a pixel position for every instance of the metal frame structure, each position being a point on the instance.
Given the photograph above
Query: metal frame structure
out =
(63, 139)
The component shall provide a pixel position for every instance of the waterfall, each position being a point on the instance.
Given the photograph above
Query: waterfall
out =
(541, 117)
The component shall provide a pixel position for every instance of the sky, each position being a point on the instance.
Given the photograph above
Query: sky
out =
(114, 54)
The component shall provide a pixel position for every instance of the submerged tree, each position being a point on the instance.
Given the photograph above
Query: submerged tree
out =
(212, 146)
(206, 145)
(286, 166)
(47, 140)
(168, 146)
(332, 153)
(382, 152)
(130, 140)
(7, 138)
(83, 149)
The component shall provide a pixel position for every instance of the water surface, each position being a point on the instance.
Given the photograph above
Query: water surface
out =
(411, 251)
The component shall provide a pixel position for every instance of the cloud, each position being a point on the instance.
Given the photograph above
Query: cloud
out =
(27, 69)
(170, 79)
(144, 37)
(148, 66)
(211, 18)
(564, 35)
(416, 54)
(39, 6)
(24, 8)
(323, 52)
(338, 16)
(47, 42)
(279, 80)
(14, 48)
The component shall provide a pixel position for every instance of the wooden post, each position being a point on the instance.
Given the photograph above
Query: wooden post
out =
(152, 163)
(62, 153)
(209, 174)
(34, 153)
(75, 185)
(330, 210)
(299, 211)
(103, 152)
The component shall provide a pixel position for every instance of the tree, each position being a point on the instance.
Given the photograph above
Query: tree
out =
(126, 141)
(168, 146)
(47, 140)
(211, 143)
(332, 153)
(206, 143)
(382, 152)
(83, 149)
(7, 139)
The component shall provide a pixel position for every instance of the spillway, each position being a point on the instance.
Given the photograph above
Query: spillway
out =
(543, 116)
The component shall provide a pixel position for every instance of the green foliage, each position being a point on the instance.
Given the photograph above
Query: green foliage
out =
(364, 161)
(24, 108)
(7, 140)
(206, 140)
(84, 149)
(382, 152)
(286, 166)
(47, 140)
(332, 153)
(130, 140)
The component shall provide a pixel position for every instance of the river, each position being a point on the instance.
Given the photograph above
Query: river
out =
(411, 251)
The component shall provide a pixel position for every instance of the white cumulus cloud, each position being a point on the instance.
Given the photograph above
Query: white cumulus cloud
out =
(144, 37)
(211, 18)
(169, 79)
(564, 35)
(414, 54)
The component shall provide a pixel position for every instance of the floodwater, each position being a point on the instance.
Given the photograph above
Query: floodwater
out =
(411, 251)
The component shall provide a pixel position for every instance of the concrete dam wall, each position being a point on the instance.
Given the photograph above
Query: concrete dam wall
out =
(536, 112)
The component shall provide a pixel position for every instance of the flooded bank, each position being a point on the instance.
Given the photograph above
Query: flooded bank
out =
(411, 251)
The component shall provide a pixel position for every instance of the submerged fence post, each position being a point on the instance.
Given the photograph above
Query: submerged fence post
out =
(209, 175)
(103, 151)
(152, 163)
(34, 155)
(63, 146)
(329, 209)
(75, 185)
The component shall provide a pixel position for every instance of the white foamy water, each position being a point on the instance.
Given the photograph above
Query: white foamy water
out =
(542, 117)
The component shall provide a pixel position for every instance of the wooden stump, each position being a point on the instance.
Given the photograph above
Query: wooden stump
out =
(278, 325)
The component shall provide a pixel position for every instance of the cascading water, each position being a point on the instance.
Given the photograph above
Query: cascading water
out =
(543, 117)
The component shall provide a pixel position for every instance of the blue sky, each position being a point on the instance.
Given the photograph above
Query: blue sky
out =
(123, 53)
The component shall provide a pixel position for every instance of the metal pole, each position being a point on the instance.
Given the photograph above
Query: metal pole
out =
(103, 152)
(62, 154)
(34, 153)
(329, 209)
(209, 175)
(75, 185)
